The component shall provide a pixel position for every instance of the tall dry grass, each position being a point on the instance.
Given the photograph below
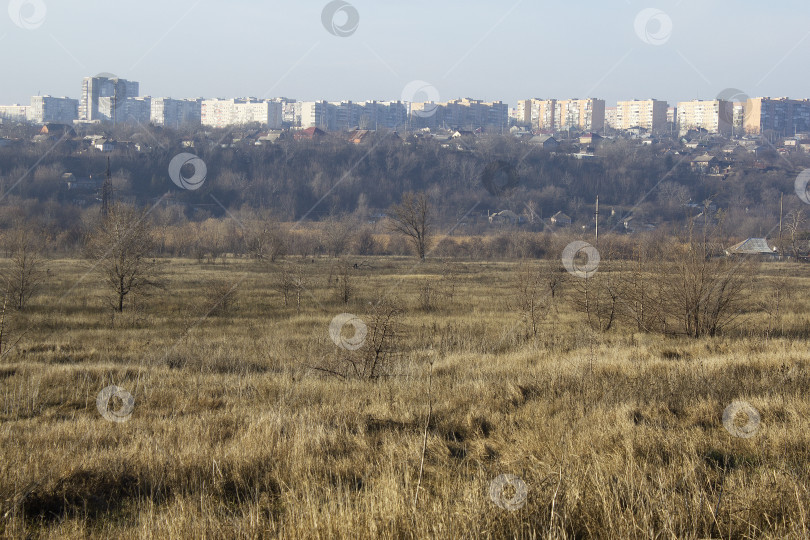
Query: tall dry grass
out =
(234, 434)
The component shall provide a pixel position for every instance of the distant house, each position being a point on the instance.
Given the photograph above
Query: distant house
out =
(547, 142)
(505, 216)
(268, 137)
(73, 183)
(359, 136)
(561, 220)
(57, 130)
(756, 247)
(104, 145)
(705, 164)
(309, 134)
(590, 139)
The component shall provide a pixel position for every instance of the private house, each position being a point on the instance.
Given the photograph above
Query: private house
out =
(57, 130)
(706, 164)
(504, 217)
(560, 220)
(547, 142)
(752, 247)
(104, 145)
(359, 136)
(309, 134)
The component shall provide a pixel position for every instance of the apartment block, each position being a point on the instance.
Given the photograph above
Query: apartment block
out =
(134, 110)
(782, 116)
(580, 114)
(348, 115)
(466, 113)
(610, 118)
(537, 113)
(220, 113)
(715, 116)
(649, 114)
(102, 98)
(14, 113)
(672, 115)
(57, 110)
(176, 113)
(314, 114)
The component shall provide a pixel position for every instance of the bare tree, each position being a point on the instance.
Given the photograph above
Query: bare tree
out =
(705, 294)
(795, 221)
(121, 249)
(413, 219)
(264, 241)
(532, 297)
(337, 236)
(344, 283)
(26, 274)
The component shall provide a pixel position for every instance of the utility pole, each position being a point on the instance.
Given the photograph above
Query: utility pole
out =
(781, 247)
(106, 191)
(596, 218)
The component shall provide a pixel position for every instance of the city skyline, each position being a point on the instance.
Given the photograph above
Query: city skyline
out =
(508, 53)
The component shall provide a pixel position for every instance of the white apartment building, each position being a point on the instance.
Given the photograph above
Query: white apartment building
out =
(176, 113)
(649, 114)
(315, 114)
(714, 116)
(102, 98)
(57, 110)
(14, 113)
(220, 113)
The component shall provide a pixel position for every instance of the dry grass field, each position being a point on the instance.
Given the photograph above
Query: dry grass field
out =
(244, 426)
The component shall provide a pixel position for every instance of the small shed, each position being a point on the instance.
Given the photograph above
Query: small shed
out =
(751, 247)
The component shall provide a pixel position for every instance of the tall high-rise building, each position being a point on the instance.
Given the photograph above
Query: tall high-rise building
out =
(176, 113)
(220, 113)
(103, 98)
(649, 114)
(714, 116)
(537, 113)
(48, 109)
(781, 116)
(580, 114)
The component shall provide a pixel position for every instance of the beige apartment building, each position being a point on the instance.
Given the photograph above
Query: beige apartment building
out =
(580, 114)
(782, 116)
(553, 114)
(649, 114)
(538, 113)
(714, 116)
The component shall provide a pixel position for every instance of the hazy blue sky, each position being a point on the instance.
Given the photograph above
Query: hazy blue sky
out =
(509, 50)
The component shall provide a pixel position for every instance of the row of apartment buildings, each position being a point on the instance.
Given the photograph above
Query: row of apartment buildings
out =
(466, 113)
(109, 99)
(782, 116)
